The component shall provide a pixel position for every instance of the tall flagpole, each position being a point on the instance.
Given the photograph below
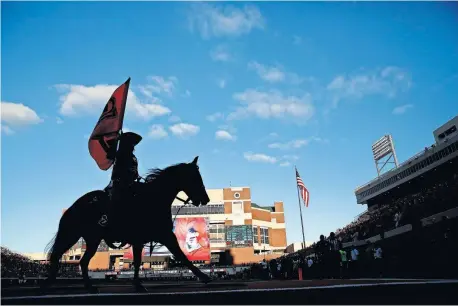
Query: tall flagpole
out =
(300, 208)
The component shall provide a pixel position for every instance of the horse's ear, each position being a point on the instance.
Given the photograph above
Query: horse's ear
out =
(195, 160)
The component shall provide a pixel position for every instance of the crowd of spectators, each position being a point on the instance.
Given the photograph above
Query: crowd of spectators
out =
(14, 265)
(328, 257)
(17, 265)
(408, 209)
(393, 257)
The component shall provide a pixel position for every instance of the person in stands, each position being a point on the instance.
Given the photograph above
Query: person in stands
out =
(322, 251)
(334, 255)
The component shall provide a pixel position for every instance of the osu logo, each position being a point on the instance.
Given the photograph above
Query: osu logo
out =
(110, 110)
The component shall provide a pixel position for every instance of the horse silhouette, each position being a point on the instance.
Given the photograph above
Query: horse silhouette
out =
(146, 218)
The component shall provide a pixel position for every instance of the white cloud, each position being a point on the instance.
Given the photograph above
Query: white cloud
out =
(147, 111)
(271, 74)
(6, 129)
(220, 54)
(214, 20)
(174, 119)
(184, 129)
(291, 157)
(388, 82)
(222, 83)
(17, 114)
(159, 85)
(228, 127)
(293, 144)
(401, 109)
(224, 135)
(157, 131)
(59, 120)
(297, 40)
(257, 157)
(80, 99)
(296, 144)
(295, 79)
(214, 117)
(287, 159)
(273, 134)
(275, 73)
(272, 104)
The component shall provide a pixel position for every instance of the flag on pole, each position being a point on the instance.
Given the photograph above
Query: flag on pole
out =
(104, 139)
(303, 190)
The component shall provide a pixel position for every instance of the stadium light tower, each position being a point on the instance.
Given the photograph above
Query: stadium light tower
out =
(384, 153)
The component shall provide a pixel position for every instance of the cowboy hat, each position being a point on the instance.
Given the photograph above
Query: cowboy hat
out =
(131, 138)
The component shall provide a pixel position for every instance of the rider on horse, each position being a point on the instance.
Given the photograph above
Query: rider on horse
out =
(124, 175)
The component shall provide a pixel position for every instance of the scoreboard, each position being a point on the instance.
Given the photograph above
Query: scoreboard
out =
(239, 236)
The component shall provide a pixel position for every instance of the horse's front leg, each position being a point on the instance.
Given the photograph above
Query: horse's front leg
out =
(170, 241)
(137, 250)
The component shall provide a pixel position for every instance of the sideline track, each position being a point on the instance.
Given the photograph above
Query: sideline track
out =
(377, 291)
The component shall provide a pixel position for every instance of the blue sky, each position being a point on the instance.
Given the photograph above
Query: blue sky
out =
(251, 88)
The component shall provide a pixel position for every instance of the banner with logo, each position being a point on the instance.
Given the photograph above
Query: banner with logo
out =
(193, 238)
(104, 138)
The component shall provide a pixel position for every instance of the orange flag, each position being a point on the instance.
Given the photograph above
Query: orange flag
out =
(104, 139)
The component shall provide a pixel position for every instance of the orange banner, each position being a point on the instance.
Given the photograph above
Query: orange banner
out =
(129, 252)
(104, 138)
(193, 238)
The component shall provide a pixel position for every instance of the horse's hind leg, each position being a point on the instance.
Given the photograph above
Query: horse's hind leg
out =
(64, 240)
(137, 250)
(170, 241)
(91, 248)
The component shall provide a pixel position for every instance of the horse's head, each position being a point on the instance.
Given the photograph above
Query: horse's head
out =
(193, 185)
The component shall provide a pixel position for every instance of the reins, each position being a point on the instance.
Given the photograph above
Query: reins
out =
(185, 202)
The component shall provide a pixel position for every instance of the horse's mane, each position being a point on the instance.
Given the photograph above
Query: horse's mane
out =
(155, 173)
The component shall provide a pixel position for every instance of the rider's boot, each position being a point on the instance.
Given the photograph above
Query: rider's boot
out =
(107, 217)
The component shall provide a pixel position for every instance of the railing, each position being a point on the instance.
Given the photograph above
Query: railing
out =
(364, 212)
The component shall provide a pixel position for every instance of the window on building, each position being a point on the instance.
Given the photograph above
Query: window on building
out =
(264, 235)
(217, 233)
(255, 234)
(203, 210)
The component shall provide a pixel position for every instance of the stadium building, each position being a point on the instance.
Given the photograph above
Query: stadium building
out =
(405, 185)
(441, 158)
(239, 231)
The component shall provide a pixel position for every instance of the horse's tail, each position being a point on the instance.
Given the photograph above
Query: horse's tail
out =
(69, 220)
(50, 247)
(52, 243)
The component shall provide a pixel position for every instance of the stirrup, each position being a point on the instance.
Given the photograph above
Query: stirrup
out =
(103, 221)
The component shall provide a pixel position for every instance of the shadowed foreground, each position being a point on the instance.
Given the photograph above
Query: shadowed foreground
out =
(267, 292)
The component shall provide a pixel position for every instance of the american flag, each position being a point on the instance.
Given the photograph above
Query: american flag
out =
(302, 189)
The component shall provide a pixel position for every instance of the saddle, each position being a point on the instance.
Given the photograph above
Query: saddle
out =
(133, 191)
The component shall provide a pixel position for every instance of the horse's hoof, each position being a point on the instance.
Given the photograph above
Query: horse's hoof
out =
(93, 290)
(43, 289)
(140, 289)
(205, 279)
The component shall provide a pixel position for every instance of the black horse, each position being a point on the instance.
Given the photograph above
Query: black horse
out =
(147, 218)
